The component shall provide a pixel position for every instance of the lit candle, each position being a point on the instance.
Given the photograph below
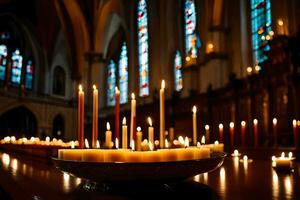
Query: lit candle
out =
(221, 132)
(283, 162)
(150, 131)
(80, 117)
(203, 140)
(231, 126)
(117, 143)
(235, 153)
(243, 132)
(124, 134)
(162, 114)
(95, 117)
(133, 117)
(117, 113)
(255, 132)
(295, 131)
(86, 144)
(195, 125)
(275, 131)
(139, 137)
(207, 133)
(108, 136)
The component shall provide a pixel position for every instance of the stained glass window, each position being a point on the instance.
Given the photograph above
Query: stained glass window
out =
(261, 21)
(16, 71)
(192, 42)
(143, 48)
(123, 74)
(111, 83)
(177, 71)
(29, 75)
(3, 61)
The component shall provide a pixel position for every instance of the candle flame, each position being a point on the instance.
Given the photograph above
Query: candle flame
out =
(166, 143)
(294, 122)
(181, 140)
(255, 121)
(245, 158)
(216, 142)
(94, 87)
(273, 158)
(12, 138)
(86, 142)
(80, 88)
(203, 140)
(150, 146)
(132, 96)
(186, 142)
(231, 125)
(206, 127)
(282, 155)
(150, 121)
(274, 121)
(117, 143)
(194, 109)
(198, 144)
(290, 155)
(98, 144)
(117, 91)
(236, 152)
(124, 121)
(221, 126)
(107, 126)
(132, 145)
(72, 145)
(243, 123)
(138, 129)
(47, 139)
(163, 84)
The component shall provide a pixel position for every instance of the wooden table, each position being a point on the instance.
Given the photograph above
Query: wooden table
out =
(28, 178)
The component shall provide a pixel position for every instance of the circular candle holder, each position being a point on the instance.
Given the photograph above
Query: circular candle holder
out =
(164, 172)
(284, 167)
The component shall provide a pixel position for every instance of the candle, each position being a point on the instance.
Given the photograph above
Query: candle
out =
(283, 162)
(221, 132)
(243, 132)
(117, 143)
(195, 125)
(150, 131)
(231, 125)
(235, 153)
(162, 114)
(95, 117)
(124, 134)
(207, 133)
(117, 113)
(108, 136)
(295, 131)
(70, 154)
(80, 117)
(98, 144)
(275, 131)
(255, 132)
(133, 117)
(139, 137)
(93, 155)
(217, 147)
(203, 140)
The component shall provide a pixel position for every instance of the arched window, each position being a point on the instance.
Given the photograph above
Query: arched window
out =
(177, 71)
(143, 48)
(111, 83)
(29, 75)
(123, 74)
(192, 42)
(16, 70)
(59, 81)
(3, 61)
(261, 21)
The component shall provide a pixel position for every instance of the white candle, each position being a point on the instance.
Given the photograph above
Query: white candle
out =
(108, 136)
(195, 125)
(150, 131)
(139, 137)
(207, 133)
(95, 117)
(124, 134)
(133, 116)
(162, 114)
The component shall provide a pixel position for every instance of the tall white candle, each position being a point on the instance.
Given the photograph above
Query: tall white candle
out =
(150, 131)
(95, 117)
(195, 125)
(108, 136)
(207, 135)
(162, 114)
(139, 138)
(124, 134)
(133, 116)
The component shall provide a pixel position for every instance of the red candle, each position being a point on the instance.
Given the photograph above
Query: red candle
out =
(275, 131)
(255, 132)
(221, 132)
(95, 117)
(231, 130)
(117, 113)
(295, 131)
(80, 118)
(243, 132)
